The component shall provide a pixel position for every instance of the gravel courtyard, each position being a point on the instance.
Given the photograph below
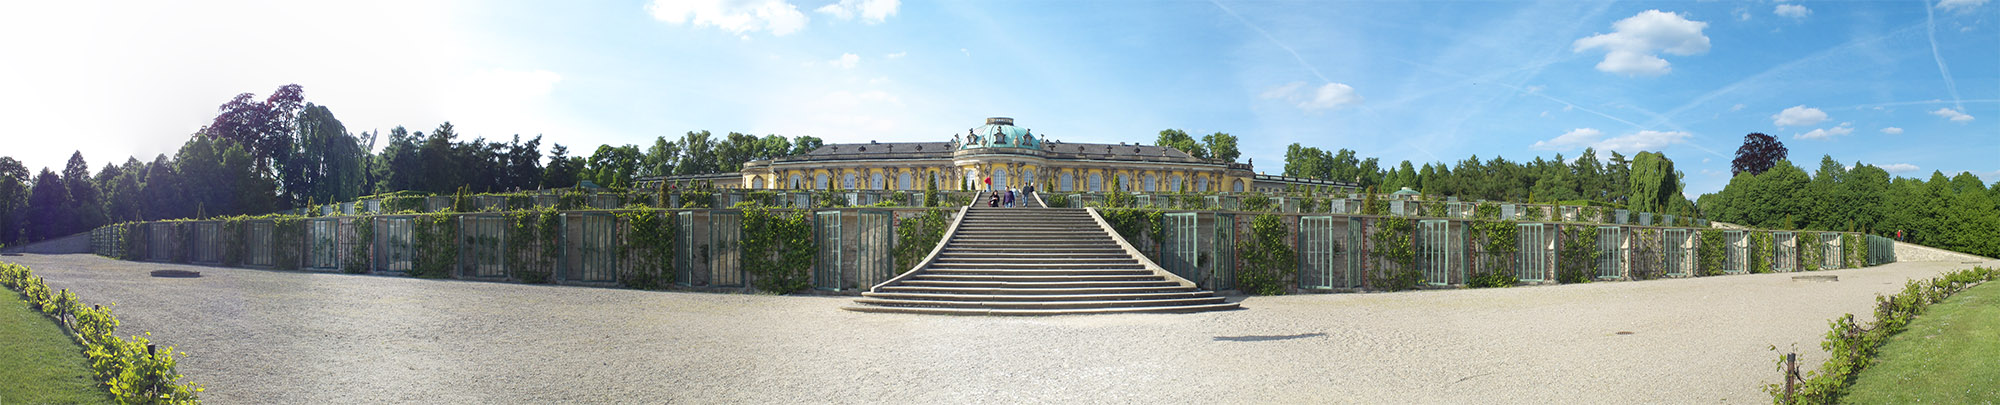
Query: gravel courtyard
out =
(291, 337)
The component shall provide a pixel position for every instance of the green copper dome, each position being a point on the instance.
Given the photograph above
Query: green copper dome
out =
(999, 132)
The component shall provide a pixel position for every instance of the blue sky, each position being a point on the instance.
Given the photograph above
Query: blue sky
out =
(1912, 86)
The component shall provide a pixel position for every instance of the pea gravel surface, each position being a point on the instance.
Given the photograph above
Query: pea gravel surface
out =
(258, 336)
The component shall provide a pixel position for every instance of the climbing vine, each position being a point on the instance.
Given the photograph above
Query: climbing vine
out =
(1134, 223)
(1761, 252)
(917, 236)
(1576, 261)
(286, 256)
(1501, 241)
(364, 237)
(1268, 262)
(1811, 256)
(1257, 202)
(437, 247)
(778, 249)
(533, 236)
(648, 249)
(1396, 255)
(1855, 248)
(1711, 255)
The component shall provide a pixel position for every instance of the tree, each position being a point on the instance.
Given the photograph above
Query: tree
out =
(163, 189)
(441, 167)
(660, 158)
(49, 208)
(84, 205)
(614, 166)
(698, 154)
(524, 163)
(804, 144)
(1655, 185)
(399, 167)
(14, 189)
(328, 165)
(562, 171)
(1179, 140)
(265, 128)
(1221, 146)
(1758, 153)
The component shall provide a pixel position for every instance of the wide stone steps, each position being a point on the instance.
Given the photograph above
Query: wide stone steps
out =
(1098, 297)
(1045, 285)
(1035, 261)
(1032, 290)
(1043, 304)
(1168, 309)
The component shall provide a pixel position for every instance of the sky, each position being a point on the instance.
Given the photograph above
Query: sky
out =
(1910, 86)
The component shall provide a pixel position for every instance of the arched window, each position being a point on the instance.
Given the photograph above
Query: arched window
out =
(1096, 181)
(1239, 186)
(757, 182)
(1068, 181)
(875, 182)
(822, 183)
(1125, 182)
(1000, 179)
(1151, 182)
(1201, 184)
(847, 182)
(903, 180)
(798, 181)
(1176, 186)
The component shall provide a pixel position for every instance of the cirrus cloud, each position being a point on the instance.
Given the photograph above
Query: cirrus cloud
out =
(1633, 47)
(1330, 96)
(1898, 167)
(1628, 143)
(870, 11)
(1823, 133)
(1892, 131)
(1792, 10)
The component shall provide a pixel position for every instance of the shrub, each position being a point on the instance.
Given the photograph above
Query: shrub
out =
(1712, 253)
(134, 371)
(436, 236)
(648, 249)
(1853, 346)
(916, 237)
(1497, 267)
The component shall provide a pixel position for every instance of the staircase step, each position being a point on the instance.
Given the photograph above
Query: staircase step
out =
(1032, 290)
(1020, 278)
(919, 283)
(1043, 312)
(1043, 260)
(1047, 267)
(1042, 304)
(1013, 298)
(1036, 257)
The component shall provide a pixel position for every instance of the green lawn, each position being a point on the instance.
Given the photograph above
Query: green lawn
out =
(1950, 354)
(38, 363)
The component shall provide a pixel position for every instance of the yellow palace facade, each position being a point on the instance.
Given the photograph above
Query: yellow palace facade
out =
(1008, 156)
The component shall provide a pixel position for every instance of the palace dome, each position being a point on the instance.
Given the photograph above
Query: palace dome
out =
(999, 132)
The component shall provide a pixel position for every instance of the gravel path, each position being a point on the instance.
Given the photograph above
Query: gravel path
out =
(288, 337)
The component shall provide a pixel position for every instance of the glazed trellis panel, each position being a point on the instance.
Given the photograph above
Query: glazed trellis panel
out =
(827, 232)
(1786, 249)
(1677, 247)
(1182, 250)
(1534, 253)
(322, 244)
(875, 235)
(485, 246)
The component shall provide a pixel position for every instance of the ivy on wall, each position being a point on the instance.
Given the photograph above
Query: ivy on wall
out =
(1500, 241)
(1396, 255)
(534, 238)
(1145, 229)
(285, 254)
(1811, 258)
(916, 236)
(1762, 252)
(1712, 253)
(648, 249)
(1576, 261)
(1268, 260)
(778, 249)
(436, 237)
(364, 240)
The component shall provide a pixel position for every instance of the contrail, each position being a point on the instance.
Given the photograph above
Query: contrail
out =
(1930, 20)
(1274, 40)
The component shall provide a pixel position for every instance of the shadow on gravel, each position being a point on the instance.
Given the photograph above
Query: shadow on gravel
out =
(1266, 338)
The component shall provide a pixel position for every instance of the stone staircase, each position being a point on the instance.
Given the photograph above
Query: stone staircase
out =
(1035, 261)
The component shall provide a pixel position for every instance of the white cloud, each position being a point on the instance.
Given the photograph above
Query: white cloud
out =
(1899, 167)
(898, 55)
(1330, 96)
(1953, 115)
(1792, 10)
(777, 16)
(1743, 14)
(1633, 47)
(1644, 141)
(1892, 131)
(870, 11)
(1629, 143)
(1735, 108)
(1573, 139)
(1798, 116)
(1960, 5)
(1844, 128)
(846, 61)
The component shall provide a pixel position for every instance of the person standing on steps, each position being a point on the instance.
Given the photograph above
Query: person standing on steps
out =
(994, 200)
(1027, 193)
(1009, 200)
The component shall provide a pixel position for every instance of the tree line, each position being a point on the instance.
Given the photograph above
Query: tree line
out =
(263, 155)
(1644, 182)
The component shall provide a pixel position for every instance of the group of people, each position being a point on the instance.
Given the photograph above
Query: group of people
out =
(1006, 197)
